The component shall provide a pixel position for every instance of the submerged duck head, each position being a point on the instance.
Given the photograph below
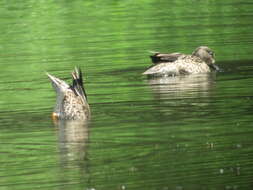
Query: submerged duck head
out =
(71, 100)
(207, 55)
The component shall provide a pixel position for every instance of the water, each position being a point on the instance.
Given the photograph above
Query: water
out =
(191, 132)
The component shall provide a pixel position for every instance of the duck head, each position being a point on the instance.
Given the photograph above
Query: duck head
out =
(207, 55)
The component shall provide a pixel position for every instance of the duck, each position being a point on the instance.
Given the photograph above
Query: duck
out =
(200, 61)
(71, 99)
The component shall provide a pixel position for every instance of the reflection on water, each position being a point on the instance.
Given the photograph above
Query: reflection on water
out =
(187, 86)
(73, 139)
(181, 97)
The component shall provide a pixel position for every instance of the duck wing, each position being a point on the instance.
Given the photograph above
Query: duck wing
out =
(77, 85)
(163, 57)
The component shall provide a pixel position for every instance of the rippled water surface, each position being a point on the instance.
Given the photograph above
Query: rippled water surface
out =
(190, 132)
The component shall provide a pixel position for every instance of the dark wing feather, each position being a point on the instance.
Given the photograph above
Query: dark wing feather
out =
(162, 57)
(78, 83)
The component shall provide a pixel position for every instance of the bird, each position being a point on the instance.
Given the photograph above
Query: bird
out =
(200, 61)
(71, 99)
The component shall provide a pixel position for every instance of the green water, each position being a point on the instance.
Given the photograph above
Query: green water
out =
(192, 132)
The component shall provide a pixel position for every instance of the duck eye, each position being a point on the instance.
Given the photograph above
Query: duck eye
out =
(211, 53)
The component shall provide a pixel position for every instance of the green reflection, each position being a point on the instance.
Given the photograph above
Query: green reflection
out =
(176, 133)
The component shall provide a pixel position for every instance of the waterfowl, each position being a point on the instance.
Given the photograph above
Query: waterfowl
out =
(71, 100)
(200, 61)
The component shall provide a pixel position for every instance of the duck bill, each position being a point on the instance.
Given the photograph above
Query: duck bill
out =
(215, 67)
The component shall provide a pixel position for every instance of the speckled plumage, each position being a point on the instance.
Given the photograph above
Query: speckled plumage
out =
(71, 100)
(73, 107)
(201, 61)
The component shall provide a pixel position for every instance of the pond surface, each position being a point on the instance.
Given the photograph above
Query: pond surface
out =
(179, 133)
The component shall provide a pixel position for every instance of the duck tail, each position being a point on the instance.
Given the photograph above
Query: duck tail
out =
(58, 84)
(155, 58)
(78, 83)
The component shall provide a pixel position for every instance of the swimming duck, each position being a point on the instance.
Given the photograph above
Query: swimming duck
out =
(200, 61)
(71, 100)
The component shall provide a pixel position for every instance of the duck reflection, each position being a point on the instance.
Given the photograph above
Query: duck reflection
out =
(73, 136)
(187, 86)
(73, 139)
